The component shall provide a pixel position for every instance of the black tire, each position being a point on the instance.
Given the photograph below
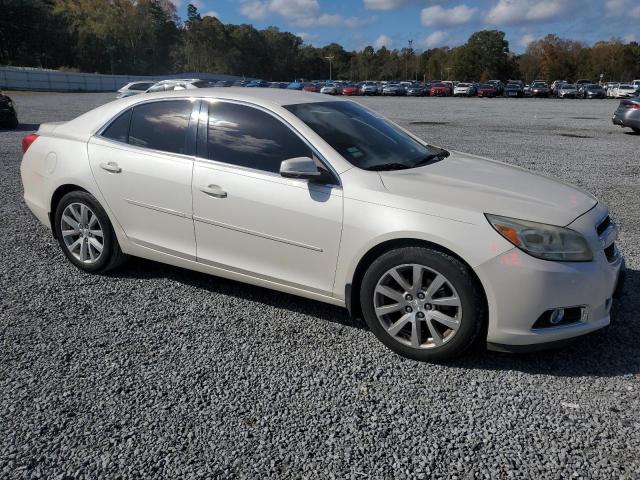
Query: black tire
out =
(111, 255)
(456, 273)
(11, 124)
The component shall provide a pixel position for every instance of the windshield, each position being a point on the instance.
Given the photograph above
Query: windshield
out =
(363, 138)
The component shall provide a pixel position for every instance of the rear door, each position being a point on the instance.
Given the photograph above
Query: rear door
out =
(143, 164)
(247, 217)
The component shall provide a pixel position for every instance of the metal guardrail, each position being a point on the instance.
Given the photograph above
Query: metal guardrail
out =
(20, 78)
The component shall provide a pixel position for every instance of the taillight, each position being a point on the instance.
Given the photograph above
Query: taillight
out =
(27, 140)
(632, 105)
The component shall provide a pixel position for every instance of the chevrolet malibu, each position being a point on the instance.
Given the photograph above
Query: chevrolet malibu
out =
(328, 200)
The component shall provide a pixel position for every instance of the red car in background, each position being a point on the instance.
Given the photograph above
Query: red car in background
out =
(312, 87)
(351, 90)
(439, 90)
(487, 90)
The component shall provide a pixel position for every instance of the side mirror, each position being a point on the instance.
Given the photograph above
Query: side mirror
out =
(299, 167)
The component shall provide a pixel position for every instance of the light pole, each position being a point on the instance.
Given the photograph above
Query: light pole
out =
(330, 57)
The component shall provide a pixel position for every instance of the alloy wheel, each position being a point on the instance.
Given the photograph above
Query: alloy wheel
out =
(417, 306)
(82, 233)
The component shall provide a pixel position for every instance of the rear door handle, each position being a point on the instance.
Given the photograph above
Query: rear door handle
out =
(213, 190)
(111, 167)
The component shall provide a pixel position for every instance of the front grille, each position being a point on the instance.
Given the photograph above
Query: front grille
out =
(603, 225)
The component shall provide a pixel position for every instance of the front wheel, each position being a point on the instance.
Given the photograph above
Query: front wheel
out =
(422, 303)
(85, 233)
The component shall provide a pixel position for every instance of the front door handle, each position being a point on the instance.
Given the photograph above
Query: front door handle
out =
(213, 190)
(111, 167)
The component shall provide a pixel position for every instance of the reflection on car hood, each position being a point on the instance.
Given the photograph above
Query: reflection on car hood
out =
(472, 183)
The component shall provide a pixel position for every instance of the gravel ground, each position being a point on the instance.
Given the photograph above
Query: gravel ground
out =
(154, 371)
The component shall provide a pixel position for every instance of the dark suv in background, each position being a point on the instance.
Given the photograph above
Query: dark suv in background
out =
(8, 115)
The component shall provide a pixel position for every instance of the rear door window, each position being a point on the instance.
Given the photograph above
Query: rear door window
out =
(161, 125)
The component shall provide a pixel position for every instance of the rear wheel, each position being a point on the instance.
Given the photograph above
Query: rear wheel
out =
(85, 233)
(422, 303)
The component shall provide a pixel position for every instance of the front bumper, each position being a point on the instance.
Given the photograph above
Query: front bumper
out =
(520, 288)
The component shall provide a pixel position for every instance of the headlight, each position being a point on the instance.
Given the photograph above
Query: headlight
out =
(539, 240)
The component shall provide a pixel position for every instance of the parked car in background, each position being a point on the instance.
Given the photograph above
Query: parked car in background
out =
(514, 89)
(224, 83)
(8, 115)
(278, 84)
(295, 86)
(498, 85)
(312, 87)
(416, 90)
(555, 86)
(540, 90)
(526, 90)
(331, 89)
(628, 114)
(609, 88)
(350, 89)
(394, 89)
(591, 90)
(464, 90)
(581, 82)
(567, 90)
(333, 202)
(449, 85)
(487, 90)
(257, 84)
(369, 88)
(624, 90)
(439, 89)
(178, 84)
(134, 88)
(241, 83)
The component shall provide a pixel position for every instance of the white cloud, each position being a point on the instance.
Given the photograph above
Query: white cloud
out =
(526, 39)
(631, 37)
(620, 8)
(211, 13)
(303, 13)
(524, 11)
(383, 41)
(435, 39)
(438, 16)
(383, 4)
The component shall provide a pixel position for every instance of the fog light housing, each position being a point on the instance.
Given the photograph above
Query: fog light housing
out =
(561, 316)
(556, 316)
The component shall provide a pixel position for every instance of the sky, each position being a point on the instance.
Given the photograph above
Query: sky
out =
(430, 23)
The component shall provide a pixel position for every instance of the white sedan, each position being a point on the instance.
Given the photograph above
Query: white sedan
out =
(328, 200)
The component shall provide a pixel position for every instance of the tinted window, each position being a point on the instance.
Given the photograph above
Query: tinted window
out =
(249, 137)
(140, 86)
(119, 128)
(365, 139)
(161, 125)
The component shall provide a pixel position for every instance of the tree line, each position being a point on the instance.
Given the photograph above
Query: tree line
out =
(146, 37)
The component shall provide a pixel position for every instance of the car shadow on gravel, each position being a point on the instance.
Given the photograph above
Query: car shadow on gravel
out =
(140, 269)
(608, 352)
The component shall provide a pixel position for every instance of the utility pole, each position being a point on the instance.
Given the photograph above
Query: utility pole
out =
(330, 58)
(406, 60)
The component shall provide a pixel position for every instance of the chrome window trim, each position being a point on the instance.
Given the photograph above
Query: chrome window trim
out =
(205, 100)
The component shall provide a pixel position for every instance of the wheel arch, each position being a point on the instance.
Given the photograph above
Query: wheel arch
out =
(352, 290)
(57, 195)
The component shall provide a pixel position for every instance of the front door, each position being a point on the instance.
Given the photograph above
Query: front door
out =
(251, 220)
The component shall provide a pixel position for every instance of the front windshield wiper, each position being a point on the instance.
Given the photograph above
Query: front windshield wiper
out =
(430, 158)
(389, 166)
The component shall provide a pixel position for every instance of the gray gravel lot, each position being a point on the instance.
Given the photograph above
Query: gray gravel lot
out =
(157, 372)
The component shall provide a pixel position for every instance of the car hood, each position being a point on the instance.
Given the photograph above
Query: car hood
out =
(464, 183)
